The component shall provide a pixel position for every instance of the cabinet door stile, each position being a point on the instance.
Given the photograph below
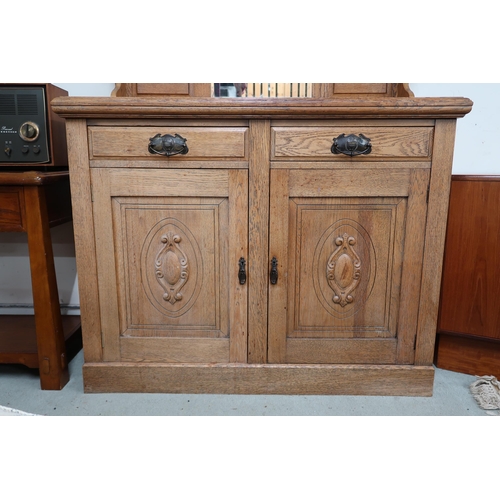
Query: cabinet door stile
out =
(238, 243)
(435, 233)
(412, 265)
(278, 248)
(84, 230)
(258, 226)
(106, 266)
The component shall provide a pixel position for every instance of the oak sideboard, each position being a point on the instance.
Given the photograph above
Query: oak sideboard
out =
(260, 246)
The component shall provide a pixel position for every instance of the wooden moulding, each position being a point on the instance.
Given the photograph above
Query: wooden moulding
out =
(31, 178)
(370, 380)
(164, 107)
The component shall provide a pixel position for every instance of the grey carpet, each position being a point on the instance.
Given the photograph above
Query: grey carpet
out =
(20, 389)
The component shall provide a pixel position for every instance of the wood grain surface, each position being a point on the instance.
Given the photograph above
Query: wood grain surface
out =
(203, 142)
(259, 379)
(387, 142)
(468, 339)
(470, 296)
(358, 242)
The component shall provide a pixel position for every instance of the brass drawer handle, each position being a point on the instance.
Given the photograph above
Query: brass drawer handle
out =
(351, 145)
(168, 145)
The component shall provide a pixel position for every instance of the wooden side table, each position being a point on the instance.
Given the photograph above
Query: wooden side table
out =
(33, 202)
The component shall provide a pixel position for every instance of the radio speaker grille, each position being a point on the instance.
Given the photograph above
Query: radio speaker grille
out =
(27, 104)
(7, 104)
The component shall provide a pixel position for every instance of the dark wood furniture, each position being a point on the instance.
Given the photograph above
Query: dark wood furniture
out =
(468, 336)
(33, 202)
(56, 131)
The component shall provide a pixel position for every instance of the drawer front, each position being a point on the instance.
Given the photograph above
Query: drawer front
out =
(316, 142)
(202, 142)
(11, 209)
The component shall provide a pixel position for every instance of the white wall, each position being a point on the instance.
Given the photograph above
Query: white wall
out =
(474, 154)
(477, 132)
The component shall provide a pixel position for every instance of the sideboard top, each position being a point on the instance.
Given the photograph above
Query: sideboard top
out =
(161, 107)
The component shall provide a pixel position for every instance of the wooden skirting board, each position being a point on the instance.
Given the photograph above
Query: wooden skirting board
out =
(235, 378)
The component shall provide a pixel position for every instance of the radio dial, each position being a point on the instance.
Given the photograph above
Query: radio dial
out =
(29, 131)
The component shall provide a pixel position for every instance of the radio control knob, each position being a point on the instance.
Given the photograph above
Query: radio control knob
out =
(8, 151)
(29, 131)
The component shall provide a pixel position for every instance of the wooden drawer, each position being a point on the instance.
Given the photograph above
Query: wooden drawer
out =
(203, 142)
(11, 209)
(316, 142)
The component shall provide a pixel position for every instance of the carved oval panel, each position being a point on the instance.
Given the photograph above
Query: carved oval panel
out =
(344, 271)
(344, 268)
(171, 267)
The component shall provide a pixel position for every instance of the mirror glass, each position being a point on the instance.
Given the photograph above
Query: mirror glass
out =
(262, 90)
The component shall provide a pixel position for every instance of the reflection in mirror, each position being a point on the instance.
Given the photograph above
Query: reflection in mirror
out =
(262, 89)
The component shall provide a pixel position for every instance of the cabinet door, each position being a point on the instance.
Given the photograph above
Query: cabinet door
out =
(349, 246)
(168, 249)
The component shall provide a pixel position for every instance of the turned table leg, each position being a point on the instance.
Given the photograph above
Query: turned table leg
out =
(53, 363)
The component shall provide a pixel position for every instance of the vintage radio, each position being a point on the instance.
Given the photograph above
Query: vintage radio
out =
(31, 135)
